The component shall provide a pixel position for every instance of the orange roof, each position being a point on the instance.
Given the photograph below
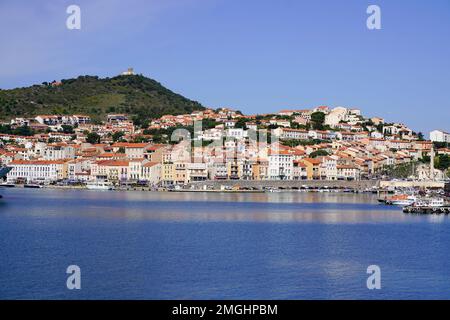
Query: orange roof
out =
(156, 147)
(279, 152)
(150, 164)
(113, 163)
(300, 163)
(129, 145)
(346, 167)
(313, 161)
(297, 152)
(37, 162)
(112, 155)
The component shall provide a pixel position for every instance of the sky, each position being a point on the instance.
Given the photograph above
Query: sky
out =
(255, 56)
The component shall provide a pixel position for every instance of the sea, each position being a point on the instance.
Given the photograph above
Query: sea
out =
(203, 245)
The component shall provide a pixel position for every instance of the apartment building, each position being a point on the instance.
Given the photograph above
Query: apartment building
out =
(37, 171)
(280, 165)
(439, 136)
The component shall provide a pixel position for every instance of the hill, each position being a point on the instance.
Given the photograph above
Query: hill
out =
(132, 94)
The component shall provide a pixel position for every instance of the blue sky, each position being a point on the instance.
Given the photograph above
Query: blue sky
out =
(256, 56)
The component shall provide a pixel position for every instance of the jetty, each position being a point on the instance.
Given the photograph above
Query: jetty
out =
(426, 210)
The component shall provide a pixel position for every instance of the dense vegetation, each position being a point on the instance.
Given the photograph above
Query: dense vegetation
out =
(400, 171)
(137, 95)
(294, 142)
(20, 131)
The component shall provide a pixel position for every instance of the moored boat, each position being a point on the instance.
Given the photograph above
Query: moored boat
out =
(99, 185)
(429, 202)
(409, 200)
(400, 200)
(32, 186)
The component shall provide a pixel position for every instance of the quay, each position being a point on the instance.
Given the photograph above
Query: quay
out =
(218, 191)
(359, 185)
(426, 210)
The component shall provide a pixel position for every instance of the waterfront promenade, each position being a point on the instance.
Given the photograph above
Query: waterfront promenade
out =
(248, 185)
(317, 184)
(285, 184)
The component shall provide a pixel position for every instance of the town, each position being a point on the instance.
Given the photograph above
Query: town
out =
(320, 143)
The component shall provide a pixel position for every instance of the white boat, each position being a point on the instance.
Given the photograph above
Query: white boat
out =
(404, 201)
(430, 202)
(436, 202)
(100, 185)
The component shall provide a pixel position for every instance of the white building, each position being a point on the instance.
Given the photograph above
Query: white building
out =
(347, 172)
(212, 134)
(328, 168)
(58, 151)
(297, 134)
(217, 170)
(237, 133)
(197, 171)
(351, 116)
(78, 170)
(53, 120)
(151, 172)
(335, 116)
(439, 136)
(37, 171)
(281, 165)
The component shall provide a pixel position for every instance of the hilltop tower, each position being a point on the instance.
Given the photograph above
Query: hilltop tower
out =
(129, 72)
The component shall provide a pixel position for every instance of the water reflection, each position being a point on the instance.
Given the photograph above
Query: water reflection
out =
(285, 207)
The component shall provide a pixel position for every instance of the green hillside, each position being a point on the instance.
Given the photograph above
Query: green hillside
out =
(133, 94)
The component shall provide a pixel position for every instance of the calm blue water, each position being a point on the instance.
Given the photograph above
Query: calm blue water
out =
(140, 245)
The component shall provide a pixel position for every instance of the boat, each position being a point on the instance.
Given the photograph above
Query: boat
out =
(436, 202)
(99, 185)
(430, 202)
(402, 200)
(428, 206)
(32, 186)
(7, 185)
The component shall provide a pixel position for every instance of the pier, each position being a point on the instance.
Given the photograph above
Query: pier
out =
(426, 210)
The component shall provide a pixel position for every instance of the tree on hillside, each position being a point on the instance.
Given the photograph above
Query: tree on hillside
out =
(117, 135)
(67, 128)
(93, 138)
(442, 162)
(241, 123)
(420, 136)
(317, 120)
(208, 124)
(318, 153)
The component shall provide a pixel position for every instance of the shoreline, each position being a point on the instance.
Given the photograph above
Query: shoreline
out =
(264, 186)
(201, 190)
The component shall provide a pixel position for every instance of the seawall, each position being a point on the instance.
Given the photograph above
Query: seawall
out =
(286, 184)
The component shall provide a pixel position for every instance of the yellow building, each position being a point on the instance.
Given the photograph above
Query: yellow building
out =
(312, 168)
